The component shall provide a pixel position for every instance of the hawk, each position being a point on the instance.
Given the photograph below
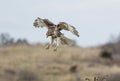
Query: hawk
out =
(55, 31)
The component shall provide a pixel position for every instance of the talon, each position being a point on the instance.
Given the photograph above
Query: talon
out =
(55, 49)
(47, 47)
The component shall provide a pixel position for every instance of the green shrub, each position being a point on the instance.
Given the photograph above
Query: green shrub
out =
(106, 54)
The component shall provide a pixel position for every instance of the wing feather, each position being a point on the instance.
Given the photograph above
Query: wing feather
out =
(39, 22)
(68, 27)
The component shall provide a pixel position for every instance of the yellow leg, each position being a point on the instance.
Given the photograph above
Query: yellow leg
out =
(47, 47)
(58, 43)
(51, 42)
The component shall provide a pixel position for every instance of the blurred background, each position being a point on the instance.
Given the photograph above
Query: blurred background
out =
(95, 55)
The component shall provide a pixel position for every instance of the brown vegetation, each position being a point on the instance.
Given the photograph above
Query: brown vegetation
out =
(35, 63)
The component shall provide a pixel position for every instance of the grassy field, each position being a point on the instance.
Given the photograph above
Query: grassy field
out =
(35, 63)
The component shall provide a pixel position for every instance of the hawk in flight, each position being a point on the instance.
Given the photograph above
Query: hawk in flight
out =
(55, 31)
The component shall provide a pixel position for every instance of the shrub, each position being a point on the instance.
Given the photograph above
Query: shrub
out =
(27, 76)
(105, 54)
(9, 72)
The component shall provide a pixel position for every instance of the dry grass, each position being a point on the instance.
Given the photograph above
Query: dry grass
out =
(47, 65)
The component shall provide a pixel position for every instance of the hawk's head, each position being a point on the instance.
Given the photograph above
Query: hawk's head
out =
(39, 22)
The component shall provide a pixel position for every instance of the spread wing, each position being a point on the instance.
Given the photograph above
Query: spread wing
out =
(68, 27)
(39, 22)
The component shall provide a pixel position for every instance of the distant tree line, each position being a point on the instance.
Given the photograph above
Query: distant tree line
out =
(6, 39)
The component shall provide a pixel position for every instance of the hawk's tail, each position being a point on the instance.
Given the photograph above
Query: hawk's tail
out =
(65, 41)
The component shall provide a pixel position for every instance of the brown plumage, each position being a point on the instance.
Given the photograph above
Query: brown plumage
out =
(55, 31)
